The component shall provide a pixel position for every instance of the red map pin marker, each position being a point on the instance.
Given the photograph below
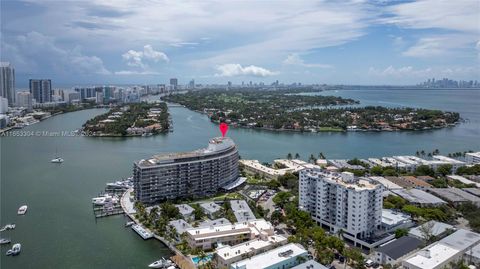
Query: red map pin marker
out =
(223, 128)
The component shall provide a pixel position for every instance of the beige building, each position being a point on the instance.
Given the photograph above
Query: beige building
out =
(230, 234)
(227, 255)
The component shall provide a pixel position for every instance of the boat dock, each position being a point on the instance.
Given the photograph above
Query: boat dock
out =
(142, 232)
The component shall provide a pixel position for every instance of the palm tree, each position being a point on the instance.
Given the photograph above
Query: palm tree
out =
(289, 156)
(321, 156)
(422, 153)
(297, 155)
(417, 153)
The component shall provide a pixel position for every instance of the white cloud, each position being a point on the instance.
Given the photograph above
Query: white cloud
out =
(131, 73)
(230, 70)
(140, 58)
(460, 18)
(37, 53)
(405, 72)
(295, 59)
(439, 45)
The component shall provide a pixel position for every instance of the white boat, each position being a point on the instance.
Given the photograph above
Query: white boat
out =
(130, 223)
(171, 267)
(162, 264)
(22, 210)
(15, 250)
(57, 160)
(7, 227)
(156, 264)
(4, 241)
(102, 200)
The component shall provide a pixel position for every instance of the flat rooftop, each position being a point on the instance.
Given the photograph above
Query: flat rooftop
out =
(391, 217)
(230, 252)
(185, 209)
(215, 222)
(438, 253)
(358, 183)
(455, 195)
(437, 228)
(418, 196)
(386, 183)
(271, 257)
(474, 191)
(180, 225)
(311, 264)
(461, 239)
(463, 180)
(241, 210)
(252, 227)
(254, 164)
(210, 207)
(215, 145)
(401, 182)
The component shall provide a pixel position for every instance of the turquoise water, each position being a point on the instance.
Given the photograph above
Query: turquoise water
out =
(59, 230)
(196, 260)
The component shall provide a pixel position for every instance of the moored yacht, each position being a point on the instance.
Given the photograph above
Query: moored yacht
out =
(15, 250)
(57, 160)
(4, 241)
(22, 210)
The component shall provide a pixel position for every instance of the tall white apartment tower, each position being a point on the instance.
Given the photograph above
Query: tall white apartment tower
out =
(341, 202)
(7, 82)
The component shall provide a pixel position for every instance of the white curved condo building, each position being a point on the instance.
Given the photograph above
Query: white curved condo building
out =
(186, 174)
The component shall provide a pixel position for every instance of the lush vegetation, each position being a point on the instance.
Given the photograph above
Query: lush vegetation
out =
(281, 110)
(69, 107)
(472, 213)
(132, 119)
(441, 213)
(472, 170)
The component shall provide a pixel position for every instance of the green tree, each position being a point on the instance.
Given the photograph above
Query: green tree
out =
(444, 169)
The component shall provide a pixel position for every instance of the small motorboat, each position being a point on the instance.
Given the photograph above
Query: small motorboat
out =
(57, 160)
(4, 241)
(22, 210)
(8, 227)
(15, 250)
(157, 264)
(130, 223)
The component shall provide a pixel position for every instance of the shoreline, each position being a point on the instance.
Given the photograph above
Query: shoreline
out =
(130, 212)
(324, 131)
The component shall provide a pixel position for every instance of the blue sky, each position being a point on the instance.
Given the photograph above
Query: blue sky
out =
(333, 42)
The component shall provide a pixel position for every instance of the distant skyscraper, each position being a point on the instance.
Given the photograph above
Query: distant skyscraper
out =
(174, 83)
(191, 84)
(7, 82)
(24, 99)
(41, 89)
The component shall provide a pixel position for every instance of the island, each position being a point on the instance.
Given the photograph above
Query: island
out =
(291, 111)
(142, 119)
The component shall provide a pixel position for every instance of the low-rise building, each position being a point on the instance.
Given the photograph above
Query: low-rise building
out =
(442, 253)
(455, 196)
(241, 210)
(393, 251)
(284, 257)
(311, 264)
(226, 255)
(419, 197)
(210, 208)
(463, 180)
(186, 211)
(434, 228)
(255, 168)
(180, 226)
(231, 234)
(417, 183)
(213, 223)
(472, 157)
(453, 162)
(387, 184)
(393, 219)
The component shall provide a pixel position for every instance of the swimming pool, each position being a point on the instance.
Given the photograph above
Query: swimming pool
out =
(196, 260)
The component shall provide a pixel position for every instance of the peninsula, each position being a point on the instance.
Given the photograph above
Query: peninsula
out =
(141, 119)
(286, 111)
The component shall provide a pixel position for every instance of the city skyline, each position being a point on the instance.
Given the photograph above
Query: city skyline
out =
(398, 43)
